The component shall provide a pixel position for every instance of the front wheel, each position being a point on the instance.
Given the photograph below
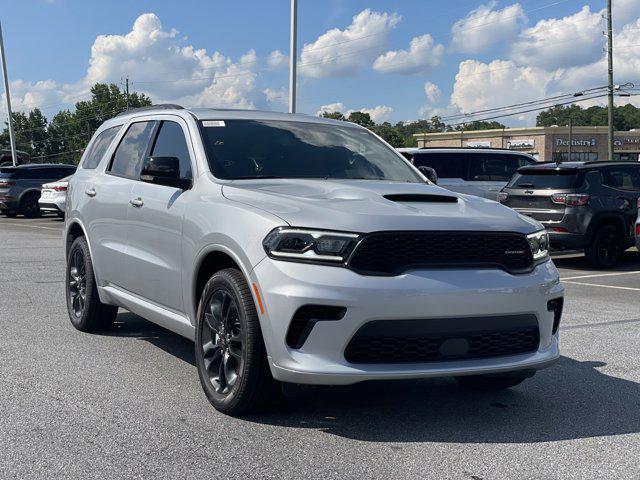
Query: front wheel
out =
(500, 381)
(86, 312)
(230, 353)
(605, 249)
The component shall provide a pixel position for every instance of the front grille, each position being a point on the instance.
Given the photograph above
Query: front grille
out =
(433, 340)
(391, 253)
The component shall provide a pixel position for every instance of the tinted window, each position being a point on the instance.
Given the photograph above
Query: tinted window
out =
(446, 165)
(127, 159)
(561, 179)
(257, 149)
(622, 178)
(99, 147)
(494, 166)
(171, 142)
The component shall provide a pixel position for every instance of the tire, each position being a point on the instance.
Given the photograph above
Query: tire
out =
(605, 248)
(29, 206)
(495, 382)
(230, 354)
(86, 312)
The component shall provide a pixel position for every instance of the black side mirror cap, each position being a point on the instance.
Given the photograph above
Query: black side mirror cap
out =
(164, 171)
(430, 173)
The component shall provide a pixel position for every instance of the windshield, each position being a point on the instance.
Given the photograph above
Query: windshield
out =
(242, 149)
(553, 179)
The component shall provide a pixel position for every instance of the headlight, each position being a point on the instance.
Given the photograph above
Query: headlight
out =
(310, 245)
(539, 243)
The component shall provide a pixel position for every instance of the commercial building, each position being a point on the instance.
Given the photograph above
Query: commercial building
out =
(544, 143)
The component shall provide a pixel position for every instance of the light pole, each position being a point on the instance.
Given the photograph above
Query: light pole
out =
(12, 139)
(293, 54)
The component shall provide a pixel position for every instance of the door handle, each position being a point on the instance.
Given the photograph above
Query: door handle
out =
(136, 202)
(91, 192)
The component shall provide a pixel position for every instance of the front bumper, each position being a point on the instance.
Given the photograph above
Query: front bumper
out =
(286, 286)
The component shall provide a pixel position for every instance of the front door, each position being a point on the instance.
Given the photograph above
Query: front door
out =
(154, 219)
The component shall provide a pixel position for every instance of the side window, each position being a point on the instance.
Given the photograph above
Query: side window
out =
(494, 167)
(171, 142)
(621, 178)
(446, 165)
(99, 147)
(127, 159)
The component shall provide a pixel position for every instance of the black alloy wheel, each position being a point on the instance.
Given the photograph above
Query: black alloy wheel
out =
(30, 207)
(221, 341)
(77, 290)
(606, 248)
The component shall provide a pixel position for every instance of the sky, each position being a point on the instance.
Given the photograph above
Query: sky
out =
(397, 60)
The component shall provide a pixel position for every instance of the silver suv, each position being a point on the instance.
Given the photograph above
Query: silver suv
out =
(306, 250)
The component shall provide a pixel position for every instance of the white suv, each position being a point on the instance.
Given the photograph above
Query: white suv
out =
(306, 250)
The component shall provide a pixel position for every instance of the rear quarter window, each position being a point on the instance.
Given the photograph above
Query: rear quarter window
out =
(99, 147)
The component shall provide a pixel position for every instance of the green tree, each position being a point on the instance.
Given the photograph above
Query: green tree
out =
(30, 131)
(390, 133)
(480, 125)
(333, 115)
(625, 117)
(361, 118)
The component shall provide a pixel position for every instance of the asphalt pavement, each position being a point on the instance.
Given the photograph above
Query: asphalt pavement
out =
(128, 404)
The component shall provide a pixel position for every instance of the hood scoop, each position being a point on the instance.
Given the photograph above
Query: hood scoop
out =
(420, 198)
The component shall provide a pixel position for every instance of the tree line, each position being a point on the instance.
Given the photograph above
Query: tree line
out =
(64, 137)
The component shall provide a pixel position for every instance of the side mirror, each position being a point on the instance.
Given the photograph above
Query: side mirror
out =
(163, 171)
(430, 173)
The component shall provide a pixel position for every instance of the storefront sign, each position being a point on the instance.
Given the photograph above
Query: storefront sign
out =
(522, 144)
(627, 142)
(479, 144)
(577, 142)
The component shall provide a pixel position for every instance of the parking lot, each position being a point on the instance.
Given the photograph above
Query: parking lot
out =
(128, 402)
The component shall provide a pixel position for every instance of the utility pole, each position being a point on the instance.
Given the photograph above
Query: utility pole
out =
(12, 138)
(293, 56)
(610, 74)
(126, 91)
(570, 136)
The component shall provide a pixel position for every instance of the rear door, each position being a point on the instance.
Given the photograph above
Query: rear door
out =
(106, 195)
(489, 172)
(154, 218)
(622, 188)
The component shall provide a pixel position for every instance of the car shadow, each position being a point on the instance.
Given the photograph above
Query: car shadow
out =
(571, 400)
(629, 262)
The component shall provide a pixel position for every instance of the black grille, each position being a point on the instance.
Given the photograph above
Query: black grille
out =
(391, 253)
(432, 340)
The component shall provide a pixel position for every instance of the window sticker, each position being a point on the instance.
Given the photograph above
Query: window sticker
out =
(213, 123)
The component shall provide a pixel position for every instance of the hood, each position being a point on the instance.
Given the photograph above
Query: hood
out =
(367, 206)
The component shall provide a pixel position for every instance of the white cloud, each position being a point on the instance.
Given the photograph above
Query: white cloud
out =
(432, 92)
(277, 60)
(423, 55)
(479, 85)
(485, 26)
(278, 98)
(338, 53)
(565, 42)
(332, 108)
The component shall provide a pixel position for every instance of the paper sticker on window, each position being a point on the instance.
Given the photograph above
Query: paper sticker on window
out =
(213, 123)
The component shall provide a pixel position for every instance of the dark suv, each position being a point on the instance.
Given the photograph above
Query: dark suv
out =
(20, 186)
(590, 206)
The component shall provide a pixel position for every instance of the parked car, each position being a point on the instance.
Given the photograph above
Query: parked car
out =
(590, 206)
(638, 226)
(20, 186)
(53, 196)
(6, 159)
(475, 171)
(300, 249)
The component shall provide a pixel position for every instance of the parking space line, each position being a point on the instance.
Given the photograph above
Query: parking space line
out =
(594, 275)
(34, 226)
(603, 286)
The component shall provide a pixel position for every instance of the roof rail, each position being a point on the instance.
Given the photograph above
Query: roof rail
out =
(159, 106)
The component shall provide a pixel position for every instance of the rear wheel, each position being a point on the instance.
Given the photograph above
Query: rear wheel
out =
(86, 312)
(605, 248)
(494, 382)
(29, 206)
(230, 353)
